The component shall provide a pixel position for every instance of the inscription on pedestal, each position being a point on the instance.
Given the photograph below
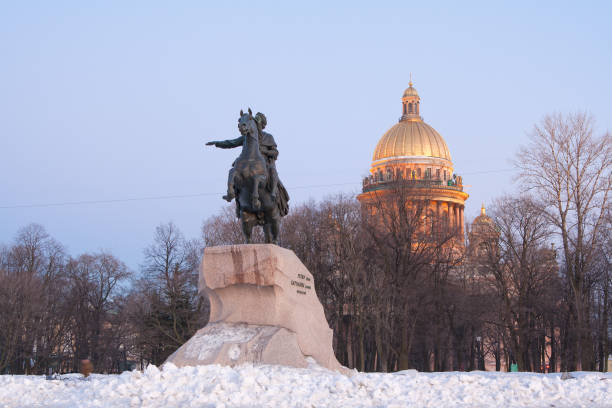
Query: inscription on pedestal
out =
(303, 283)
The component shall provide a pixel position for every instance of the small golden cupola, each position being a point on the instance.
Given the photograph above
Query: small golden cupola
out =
(483, 229)
(483, 220)
(410, 102)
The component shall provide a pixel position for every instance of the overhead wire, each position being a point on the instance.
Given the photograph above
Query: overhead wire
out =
(148, 198)
(176, 196)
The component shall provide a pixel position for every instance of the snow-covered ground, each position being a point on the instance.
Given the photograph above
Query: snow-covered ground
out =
(275, 386)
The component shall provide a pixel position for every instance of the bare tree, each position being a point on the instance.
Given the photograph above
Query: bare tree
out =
(602, 301)
(18, 292)
(569, 168)
(32, 315)
(522, 269)
(95, 282)
(170, 310)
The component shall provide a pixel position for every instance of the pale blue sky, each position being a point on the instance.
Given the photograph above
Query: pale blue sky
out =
(113, 100)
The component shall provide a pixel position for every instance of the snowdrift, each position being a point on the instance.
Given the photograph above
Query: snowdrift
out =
(277, 386)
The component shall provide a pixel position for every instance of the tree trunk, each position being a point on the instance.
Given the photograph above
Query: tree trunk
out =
(604, 325)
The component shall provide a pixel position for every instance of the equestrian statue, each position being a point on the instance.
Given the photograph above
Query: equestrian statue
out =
(261, 198)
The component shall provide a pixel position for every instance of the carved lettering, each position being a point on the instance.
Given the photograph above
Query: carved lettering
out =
(296, 283)
(301, 284)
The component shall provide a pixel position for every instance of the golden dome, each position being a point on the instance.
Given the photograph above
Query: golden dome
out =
(411, 137)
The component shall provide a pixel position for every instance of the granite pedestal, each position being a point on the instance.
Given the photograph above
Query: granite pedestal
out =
(263, 309)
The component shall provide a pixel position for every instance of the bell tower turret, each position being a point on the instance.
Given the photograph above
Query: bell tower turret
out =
(410, 104)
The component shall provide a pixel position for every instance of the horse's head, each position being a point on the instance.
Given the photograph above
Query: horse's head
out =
(247, 125)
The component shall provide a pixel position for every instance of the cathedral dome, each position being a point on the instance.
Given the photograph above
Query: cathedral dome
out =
(412, 159)
(410, 138)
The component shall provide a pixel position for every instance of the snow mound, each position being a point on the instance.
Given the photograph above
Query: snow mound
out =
(277, 386)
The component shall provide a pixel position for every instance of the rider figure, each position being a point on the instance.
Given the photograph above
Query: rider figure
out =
(267, 147)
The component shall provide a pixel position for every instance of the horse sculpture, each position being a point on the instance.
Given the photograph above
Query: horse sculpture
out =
(254, 203)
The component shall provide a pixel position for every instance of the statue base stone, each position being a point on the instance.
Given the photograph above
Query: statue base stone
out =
(237, 343)
(263, 309)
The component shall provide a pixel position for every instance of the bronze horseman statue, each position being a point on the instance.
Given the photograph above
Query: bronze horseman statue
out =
(261, 198)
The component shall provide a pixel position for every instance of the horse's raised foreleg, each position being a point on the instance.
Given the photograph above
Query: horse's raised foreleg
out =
(255, 202)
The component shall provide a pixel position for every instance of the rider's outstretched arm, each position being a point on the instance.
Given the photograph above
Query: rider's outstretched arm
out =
(227, 144)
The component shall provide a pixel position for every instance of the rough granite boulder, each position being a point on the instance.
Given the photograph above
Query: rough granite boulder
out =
(263, 309)
(237, 343)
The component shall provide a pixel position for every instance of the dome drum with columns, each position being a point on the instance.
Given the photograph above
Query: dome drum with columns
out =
(412, 154)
